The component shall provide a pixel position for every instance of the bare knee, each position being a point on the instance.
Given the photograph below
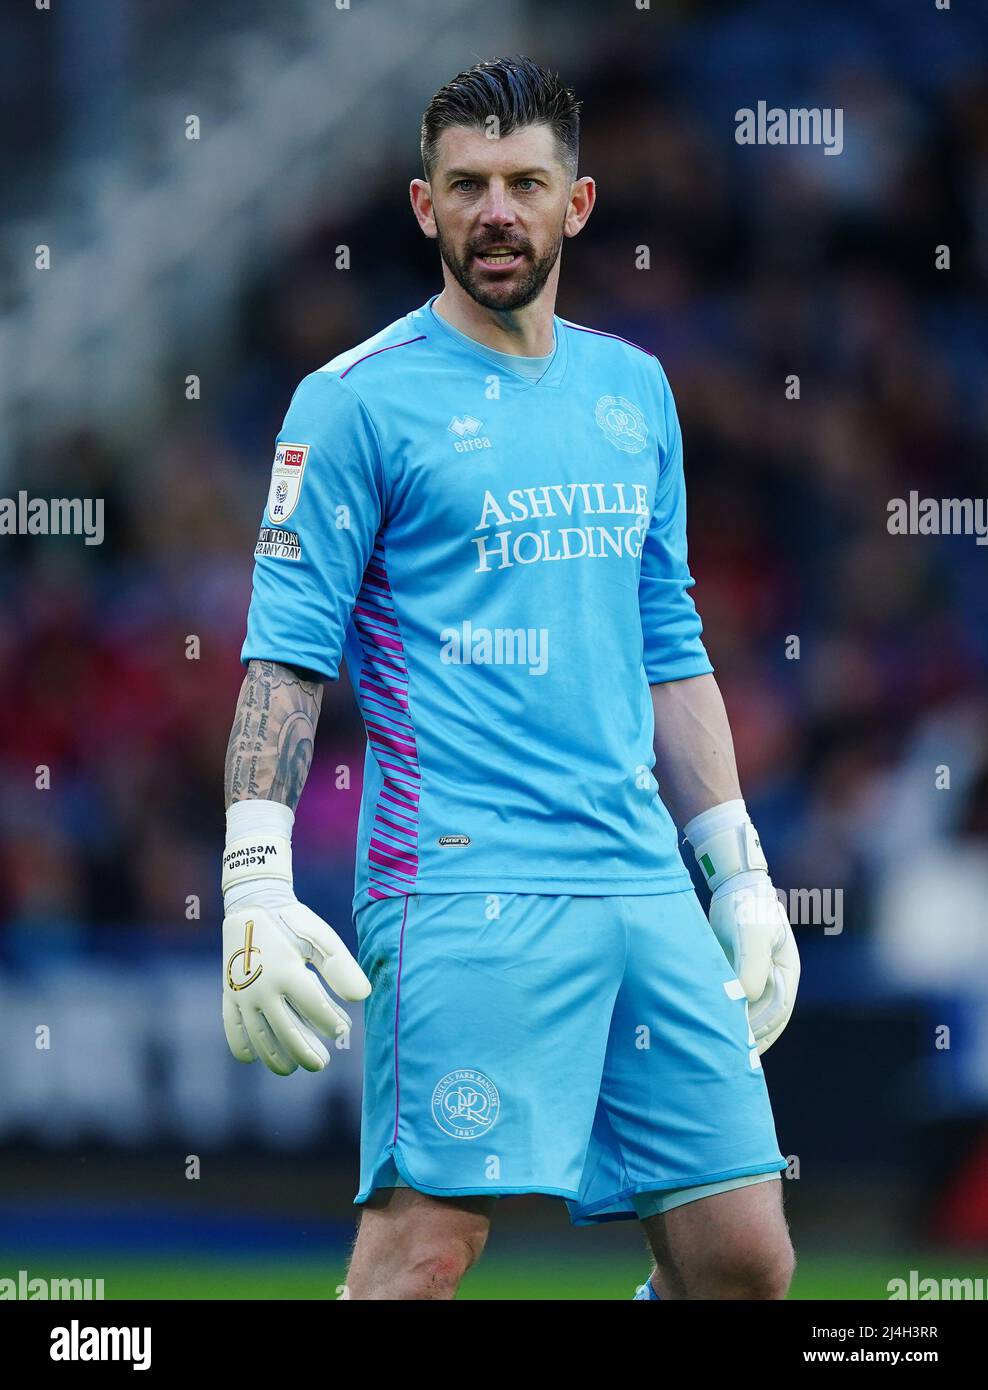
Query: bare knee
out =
(435, 1265)
(761, 1271)
(413, 1247)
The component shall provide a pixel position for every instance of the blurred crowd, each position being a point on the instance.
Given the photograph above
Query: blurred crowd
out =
(853, 661)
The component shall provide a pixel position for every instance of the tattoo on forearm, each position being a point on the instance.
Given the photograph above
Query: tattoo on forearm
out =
(270, 749)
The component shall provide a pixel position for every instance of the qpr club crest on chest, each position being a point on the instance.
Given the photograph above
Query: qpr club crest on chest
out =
(622, 422)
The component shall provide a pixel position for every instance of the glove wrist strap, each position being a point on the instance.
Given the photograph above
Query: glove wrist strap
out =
(725, 849)
(258, 844)
(256, 856)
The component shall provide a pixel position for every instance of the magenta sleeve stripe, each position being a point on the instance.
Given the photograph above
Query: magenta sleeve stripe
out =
(397, 867)
(409, 789)
(391, 842)
(390, 783)
(374, 593)
(386, 699)
(384, 678)
(377, 616)
(398, 839)
(396, 854)
(398, 862)
(578, 328)
(395, 847)
(388, 672)
(393, 861)
(395, 797)
(392, 742)
(396, 821)
(404, 803)
(392, 852)
(392, 824)
(394, 786)
(376, 612)
(397, 767)
(378, 639)
(401, 727)
(377, 352)
(383, 700)
(378, 710)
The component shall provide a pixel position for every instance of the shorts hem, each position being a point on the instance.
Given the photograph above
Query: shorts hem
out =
(568, 1194)
(596, 1212)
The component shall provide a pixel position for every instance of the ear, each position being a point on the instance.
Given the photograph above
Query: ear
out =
(582, 197)
(420, 194)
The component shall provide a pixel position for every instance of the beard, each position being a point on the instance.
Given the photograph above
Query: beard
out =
(509, 293)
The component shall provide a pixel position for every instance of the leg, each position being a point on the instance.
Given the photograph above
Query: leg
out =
(732, 1245)
(411, 1246)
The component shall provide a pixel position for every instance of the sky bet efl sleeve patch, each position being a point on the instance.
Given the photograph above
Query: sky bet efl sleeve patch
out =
(286, 480)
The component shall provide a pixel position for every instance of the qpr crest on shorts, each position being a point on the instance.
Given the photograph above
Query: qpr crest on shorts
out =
(465, 1103)
(622, 422)
(286, 480)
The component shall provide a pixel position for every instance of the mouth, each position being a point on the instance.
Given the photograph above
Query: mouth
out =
(499, 258)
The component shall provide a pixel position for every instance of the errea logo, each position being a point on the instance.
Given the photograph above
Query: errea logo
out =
(465, 428)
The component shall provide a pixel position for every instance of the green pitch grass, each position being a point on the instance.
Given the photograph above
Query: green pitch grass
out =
(499, 1277)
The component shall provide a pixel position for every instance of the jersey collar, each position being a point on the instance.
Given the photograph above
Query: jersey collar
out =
(428, 322)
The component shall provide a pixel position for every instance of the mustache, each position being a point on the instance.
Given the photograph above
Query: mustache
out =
(519, 247)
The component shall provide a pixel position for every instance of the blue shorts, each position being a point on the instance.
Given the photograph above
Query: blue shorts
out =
(591, 1048)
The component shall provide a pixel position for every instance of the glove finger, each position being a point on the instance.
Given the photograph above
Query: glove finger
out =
(329, 955)
(236, 1034)
(266, 1043)
(768, 1018)
(308, 997)
(774, 1033)
(295, 1037)
(754, 961)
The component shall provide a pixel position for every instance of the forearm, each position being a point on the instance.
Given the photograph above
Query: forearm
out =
(694, 751)
(270, 749)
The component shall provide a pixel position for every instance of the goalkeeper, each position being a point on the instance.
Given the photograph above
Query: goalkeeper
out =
(482, 511)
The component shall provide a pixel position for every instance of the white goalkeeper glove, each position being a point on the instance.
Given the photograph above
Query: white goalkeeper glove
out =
(274, 1006)
(746, 916)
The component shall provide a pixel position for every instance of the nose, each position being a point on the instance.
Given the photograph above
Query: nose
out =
(497, 211)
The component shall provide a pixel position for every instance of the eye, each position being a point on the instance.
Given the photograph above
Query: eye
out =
(464, 185)
(530, 184)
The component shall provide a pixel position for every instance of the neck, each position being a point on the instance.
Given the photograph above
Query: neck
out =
(523, 332)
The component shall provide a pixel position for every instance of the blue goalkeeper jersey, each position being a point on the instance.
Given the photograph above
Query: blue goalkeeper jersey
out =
(502, 564)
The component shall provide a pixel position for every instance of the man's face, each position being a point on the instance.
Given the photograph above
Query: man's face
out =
(500, 209)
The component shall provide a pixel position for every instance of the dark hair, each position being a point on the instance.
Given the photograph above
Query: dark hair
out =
(518, 92)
